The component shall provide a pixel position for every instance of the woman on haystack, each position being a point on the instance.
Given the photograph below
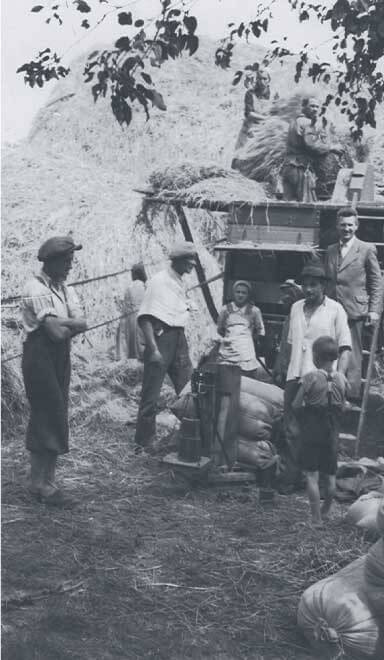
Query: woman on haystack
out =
(255, 111)
(51, 317)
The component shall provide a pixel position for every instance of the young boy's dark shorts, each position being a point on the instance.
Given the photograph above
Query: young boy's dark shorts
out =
(319, 432)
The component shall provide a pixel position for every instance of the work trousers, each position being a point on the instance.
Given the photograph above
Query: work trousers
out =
(356, 358)
(173, 347)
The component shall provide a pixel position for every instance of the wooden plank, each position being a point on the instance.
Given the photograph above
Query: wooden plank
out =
(272, 215)
(199, 268)
(258, 234)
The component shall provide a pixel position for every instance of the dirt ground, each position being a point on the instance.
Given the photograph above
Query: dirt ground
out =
(140, 565)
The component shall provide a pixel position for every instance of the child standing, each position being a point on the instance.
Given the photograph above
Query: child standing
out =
(240, 324)
(319, 402)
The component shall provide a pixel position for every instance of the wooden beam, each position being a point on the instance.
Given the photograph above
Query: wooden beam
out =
(199, 268)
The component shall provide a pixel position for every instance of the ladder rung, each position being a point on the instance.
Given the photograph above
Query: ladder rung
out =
(352, 407)
(349, 437)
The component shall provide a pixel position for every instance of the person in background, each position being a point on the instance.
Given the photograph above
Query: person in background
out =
(129, 337)
(311, 318)
(290, 293)
(307, 143)
(318, 404)
(51, 317)
(355, 281)
(241, 325)
(256, 100)
(162, 317)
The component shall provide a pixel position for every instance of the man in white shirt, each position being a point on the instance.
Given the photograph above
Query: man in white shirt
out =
(311, 318)
(354, 280)
(162, 317)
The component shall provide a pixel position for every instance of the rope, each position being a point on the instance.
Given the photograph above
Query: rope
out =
(10, 299)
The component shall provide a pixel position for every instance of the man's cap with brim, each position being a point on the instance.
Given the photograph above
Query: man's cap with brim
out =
(291, 284)
(316, 271)
(56, 247)
(183, 249)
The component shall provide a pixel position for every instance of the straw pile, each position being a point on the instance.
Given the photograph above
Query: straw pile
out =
(183, 176)
(234, 187)
(13, 402)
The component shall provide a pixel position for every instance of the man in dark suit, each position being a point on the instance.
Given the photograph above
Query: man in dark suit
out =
(355, 281)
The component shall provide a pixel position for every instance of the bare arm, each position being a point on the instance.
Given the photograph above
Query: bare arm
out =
(298, 401)
(146, 324)
(60, 328)
(343, 361)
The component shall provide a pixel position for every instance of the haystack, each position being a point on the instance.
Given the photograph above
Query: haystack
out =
(262, 156)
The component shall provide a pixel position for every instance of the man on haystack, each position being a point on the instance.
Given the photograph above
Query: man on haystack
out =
(162, 318)
(308, 144)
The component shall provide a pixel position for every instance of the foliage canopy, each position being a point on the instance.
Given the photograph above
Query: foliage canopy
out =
(122, 71)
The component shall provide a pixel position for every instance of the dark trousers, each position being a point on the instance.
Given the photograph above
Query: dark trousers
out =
(173, 347)
(356, 358)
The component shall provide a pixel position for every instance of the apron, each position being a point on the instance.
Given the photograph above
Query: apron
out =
(238, 347)
(46, 371)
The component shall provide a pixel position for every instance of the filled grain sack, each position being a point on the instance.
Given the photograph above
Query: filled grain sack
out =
(374, 577)
(261, 454)
(354, 479)
(336, 617)
(364, 512)
(260, 406)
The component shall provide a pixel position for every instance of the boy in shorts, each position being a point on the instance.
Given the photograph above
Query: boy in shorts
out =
(318, 404)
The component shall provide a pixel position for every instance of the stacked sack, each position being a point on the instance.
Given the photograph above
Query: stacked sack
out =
(260, 408)
(342, 616)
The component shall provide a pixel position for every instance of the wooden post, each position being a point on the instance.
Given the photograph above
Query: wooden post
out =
(199, 268)
(372, 354)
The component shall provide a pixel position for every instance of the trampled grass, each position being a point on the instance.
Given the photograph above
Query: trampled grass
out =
(140, 565)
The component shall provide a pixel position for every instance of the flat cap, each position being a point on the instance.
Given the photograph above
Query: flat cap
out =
(314, 270)
(57, 246)
(291, 284)
(182, 249)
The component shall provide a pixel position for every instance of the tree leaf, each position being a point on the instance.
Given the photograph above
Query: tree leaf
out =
(147, 78)
(125, 18)
(190, 23)
(37, 8)
(82, 6)
(238, 76)
(85, 24)
(158, 100)
(124, 43)
(139, 23)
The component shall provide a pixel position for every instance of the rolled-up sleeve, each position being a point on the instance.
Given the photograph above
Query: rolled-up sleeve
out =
(342, 331)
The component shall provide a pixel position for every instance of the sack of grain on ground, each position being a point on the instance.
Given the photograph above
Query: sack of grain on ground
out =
(260, 406)
(364, 512)
(374, 576)
(336, 617)
(261, 454)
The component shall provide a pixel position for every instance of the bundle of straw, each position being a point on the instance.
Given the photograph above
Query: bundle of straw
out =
(226, 190)
(180, 177)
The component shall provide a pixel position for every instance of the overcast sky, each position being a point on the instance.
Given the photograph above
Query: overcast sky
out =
(24, 33)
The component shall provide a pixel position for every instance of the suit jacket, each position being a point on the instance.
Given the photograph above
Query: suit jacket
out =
(356, 280)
